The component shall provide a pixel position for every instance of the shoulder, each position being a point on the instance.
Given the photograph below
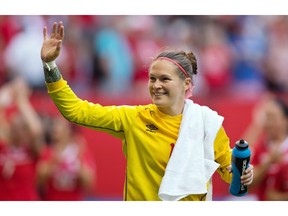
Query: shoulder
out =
(205, 109)
(138, 108)
(209, 115)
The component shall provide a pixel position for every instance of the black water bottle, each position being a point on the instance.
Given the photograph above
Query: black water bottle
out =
(240, 162)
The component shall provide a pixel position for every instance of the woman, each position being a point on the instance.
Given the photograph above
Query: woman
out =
(65, 171)
(150, 132)
(21, 141)
(268, 131)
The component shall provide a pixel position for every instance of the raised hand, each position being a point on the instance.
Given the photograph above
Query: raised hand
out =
(21, 90)
(51, 46)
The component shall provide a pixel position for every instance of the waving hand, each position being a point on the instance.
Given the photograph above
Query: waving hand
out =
(51, 46)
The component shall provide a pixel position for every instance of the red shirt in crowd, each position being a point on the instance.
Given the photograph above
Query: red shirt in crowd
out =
(64, 183)
(17, 174)
(276, 175)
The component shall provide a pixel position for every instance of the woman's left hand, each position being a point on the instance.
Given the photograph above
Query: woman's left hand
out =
(247, 177)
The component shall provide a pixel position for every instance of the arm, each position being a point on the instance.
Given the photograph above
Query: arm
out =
(276, 185)
(45, 169)
(261, 169)
(51, 48)
(223, 154)
(255, 129)
(87, 177)
(71, 107)
(52, 160)
(30, 116)
(5, 100)
(274, 195)
(87, 174)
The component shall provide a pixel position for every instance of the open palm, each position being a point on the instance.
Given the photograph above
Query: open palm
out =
(51, 46)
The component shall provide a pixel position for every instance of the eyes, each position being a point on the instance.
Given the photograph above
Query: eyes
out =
(161, 79)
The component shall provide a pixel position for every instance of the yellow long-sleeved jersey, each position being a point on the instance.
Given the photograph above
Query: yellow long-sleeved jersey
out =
(148, 138)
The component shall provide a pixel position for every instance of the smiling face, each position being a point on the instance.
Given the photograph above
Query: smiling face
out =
(276, 123)
(60, 130)
(167, 89)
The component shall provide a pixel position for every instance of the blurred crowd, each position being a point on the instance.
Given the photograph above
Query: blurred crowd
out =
(41, 157)
(109, 55)
(44, 157)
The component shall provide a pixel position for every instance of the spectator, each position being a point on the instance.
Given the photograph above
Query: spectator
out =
(8, 28)
(268, 137)
(248, 45)
(276, 57)
(278, 182)
(65, 171)
(115, 55)
(216, 59)
(21, 140)
(21, 51)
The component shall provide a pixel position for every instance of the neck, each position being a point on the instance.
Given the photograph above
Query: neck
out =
(172, 111)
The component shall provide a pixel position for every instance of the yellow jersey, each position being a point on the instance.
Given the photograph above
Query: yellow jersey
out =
(148, 138)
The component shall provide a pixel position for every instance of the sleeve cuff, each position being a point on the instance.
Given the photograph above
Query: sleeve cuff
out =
(49, 65)
(56, 86)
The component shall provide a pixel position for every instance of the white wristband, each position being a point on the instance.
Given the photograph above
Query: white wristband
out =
(49, 65)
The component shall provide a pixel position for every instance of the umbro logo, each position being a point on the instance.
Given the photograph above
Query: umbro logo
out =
(151, 128)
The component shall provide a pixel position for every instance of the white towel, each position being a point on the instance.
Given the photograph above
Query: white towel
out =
(192, 164)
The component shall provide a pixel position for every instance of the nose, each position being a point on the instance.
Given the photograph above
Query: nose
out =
(156, 84)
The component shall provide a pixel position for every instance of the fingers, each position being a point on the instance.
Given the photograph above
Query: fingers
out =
(54, 29)
(249, 169)
(247, 178)
(62, 32)
(45, 32)
(59, 27)
(229, 169)
(57, 30)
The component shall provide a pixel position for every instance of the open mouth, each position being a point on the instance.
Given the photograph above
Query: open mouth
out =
(159, 94)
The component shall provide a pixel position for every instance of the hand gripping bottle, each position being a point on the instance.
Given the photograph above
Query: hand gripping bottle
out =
(240, 162)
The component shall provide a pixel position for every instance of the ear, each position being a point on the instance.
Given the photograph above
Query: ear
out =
(188, 88)
(187, 83)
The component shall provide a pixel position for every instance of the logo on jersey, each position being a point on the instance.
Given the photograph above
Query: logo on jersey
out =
(151, 128)
(151, 111)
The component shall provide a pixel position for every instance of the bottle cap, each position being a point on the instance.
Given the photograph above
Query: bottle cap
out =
(241, 144)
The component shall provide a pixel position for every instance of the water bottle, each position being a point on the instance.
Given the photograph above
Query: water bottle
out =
(240, 162)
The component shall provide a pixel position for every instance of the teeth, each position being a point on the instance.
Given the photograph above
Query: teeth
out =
(158, 94)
